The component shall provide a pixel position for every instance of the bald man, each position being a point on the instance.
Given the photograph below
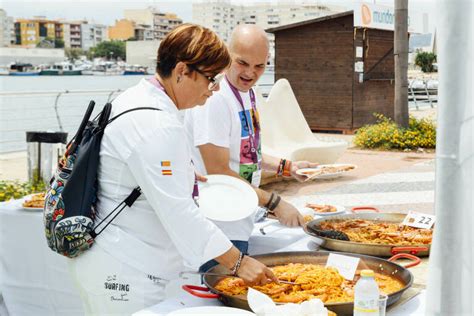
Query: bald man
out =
(226, 133)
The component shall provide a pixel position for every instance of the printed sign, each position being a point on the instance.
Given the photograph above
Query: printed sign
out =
(346, 265)
(419, 220)
(383, 17)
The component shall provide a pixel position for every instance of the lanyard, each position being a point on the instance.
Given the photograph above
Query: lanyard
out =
(158, 84)
(252, 133)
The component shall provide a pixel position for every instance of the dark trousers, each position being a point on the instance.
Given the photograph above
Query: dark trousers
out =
(243, 246)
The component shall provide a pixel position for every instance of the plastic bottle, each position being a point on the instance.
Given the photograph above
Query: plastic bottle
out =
(366, 295)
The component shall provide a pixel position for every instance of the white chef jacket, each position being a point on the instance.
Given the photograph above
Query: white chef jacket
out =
(148, 148)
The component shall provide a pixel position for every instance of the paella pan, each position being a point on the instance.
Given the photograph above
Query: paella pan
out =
(380, 266)
(417, 243)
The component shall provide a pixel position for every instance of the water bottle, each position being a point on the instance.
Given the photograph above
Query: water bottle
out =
(366, 295)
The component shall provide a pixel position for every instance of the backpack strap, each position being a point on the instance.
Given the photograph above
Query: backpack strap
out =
(131, 110)
(136, 192)
(127, 202)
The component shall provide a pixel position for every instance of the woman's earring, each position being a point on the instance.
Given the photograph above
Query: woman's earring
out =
(178, 79)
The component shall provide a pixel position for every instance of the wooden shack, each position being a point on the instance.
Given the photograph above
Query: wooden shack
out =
(340, 74)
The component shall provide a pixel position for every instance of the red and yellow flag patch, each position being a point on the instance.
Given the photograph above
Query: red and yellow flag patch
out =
(166, 172)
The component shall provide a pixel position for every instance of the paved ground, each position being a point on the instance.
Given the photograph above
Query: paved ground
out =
(394, 182)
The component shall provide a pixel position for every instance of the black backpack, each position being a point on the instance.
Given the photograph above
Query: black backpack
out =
(69, 209)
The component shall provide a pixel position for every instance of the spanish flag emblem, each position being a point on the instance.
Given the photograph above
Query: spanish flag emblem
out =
(165, 172)
(166, 163)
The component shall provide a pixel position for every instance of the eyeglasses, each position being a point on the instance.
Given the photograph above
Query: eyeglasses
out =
(213, 81)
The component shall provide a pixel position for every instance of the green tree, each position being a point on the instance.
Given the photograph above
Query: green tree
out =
(46, 43)
(58, 43)
(73, 53)
(425, 60)
(109, 50)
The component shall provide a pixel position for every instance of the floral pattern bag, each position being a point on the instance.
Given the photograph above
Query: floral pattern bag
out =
(69, 210)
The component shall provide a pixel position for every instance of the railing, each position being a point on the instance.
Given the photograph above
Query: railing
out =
(44, 111)
(63, 110)
(423, 92)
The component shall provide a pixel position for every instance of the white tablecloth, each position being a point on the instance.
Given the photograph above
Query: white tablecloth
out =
(33, 279)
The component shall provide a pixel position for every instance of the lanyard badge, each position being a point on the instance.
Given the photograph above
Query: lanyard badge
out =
(252, 132)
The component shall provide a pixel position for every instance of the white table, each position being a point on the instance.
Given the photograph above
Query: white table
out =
(287, 239)
(33, 279)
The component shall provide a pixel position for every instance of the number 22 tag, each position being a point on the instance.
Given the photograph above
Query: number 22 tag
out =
(419, 220)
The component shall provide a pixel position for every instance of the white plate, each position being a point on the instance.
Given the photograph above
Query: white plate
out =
(326, 175)
(210, 310)
(33, 209)
(339, 210)
(226, 199)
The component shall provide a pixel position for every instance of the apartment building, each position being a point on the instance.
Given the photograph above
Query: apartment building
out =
(140, 16)
(122, 30)
(163, 23)
(144, 32)
(7, 27)
(92, 34)
(220, 15)
(30, 32)
(223, 16)
(72, 34)
(160, 23)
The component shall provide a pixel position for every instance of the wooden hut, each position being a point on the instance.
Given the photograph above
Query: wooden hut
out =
(340, 74)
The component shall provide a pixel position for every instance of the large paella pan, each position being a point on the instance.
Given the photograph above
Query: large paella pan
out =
(380, 266)
(419, 244)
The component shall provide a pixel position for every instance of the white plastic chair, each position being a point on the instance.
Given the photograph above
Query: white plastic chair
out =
(285, 132)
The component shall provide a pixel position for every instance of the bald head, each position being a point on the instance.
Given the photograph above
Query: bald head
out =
(249, 36)
(249, 50)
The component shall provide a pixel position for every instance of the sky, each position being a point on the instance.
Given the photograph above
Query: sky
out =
(107, 11)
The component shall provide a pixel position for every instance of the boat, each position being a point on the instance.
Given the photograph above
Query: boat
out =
(4, 71)
(60, 69)
(23, 69)
(107, 69)
(48, 70)
(134, 70)
(67, 69)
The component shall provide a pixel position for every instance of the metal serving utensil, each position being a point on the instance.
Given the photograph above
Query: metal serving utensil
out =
(333, 234)
(182, 273)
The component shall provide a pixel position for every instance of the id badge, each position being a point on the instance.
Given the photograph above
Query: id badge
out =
(256, 177)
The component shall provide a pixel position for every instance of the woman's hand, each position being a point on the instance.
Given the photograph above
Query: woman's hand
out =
(253, 272)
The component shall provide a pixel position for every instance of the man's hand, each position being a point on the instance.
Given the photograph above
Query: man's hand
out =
(200, 177)
(288, 215)
(296, 165)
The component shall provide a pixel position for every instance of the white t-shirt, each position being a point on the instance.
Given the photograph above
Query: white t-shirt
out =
(148, 148)
(221, 122)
